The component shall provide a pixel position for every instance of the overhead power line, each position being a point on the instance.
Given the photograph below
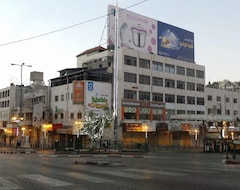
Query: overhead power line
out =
(65, 28)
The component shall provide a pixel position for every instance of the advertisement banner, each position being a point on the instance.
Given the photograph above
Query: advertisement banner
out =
(78, 92)
(149, 35)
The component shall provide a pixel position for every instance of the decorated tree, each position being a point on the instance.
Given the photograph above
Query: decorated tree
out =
(94, 125)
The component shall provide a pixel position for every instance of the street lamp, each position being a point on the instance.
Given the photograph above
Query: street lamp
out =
(78, 125)
(21, 65)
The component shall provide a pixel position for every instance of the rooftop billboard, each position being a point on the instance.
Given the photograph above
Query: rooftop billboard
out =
(148, 35)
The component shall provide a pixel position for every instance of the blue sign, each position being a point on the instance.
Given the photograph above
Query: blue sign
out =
(175, 42)
(90, 86)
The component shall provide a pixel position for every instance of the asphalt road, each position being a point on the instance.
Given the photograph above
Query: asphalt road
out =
(162, 170)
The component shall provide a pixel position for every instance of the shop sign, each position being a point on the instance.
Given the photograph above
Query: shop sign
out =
(64, 131)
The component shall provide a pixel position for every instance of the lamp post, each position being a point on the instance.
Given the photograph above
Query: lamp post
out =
(20, 102)
(21, 65)
(78, 143)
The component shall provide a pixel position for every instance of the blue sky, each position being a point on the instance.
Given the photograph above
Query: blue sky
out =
(215, 24)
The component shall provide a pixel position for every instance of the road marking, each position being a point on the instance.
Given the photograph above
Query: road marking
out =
(122, 174)
(88, 178)
(158, 172)
(46, 180)
(7, 185)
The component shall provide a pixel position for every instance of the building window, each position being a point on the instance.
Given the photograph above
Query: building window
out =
(130, 77)
(144, 113)
(55, 116)
(157, 97)
(200, 101)
(157, 66)
(169, 68)
(209, 98)
(227, 112)
(144, 96)
(190, 100)
(218, 98)
(170, 98)
(130, 94)
(79, 115)
(190, 86)
(128, 60)
(200, 74)
(234, 100)
(130, 112)
(169, 83)
(235, 112)
(144, 79)
(200, 87)
(62, 116)
(180, 70)
(144, 63)
(226, 99)
(56, 98)
(210, 111)
(190, 72)
(180, 112)
(219, 111)
(62, 97)
(157, 81)
(190, 112)
(181, 99)
(71, 115)
(180, 84)
(157, 114)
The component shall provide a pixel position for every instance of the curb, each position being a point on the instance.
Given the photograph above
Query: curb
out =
(17, 151)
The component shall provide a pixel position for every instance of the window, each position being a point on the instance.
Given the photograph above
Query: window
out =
(209, 98)
(200, 74)
(130, 77)
(181, 99)
(218, 98)
(157, 114)
(128, 60)
(144, 63)
(157, 81)
(157, 66)
(130, 112)
(180, 84)
(130, 94)
(144, 113)
(157, 97)
(200, 87)
(169, 83)
(180, 70)
(234, 100)
(170, 98)
(227, 112)
(210, 111)
(79, 115)
(144, 95)
(226, 99)
(190, 112)
(71, 115)
(62, 97)
(56, 98)
(190, 72)
(190, 100)
(200, 101)
(180, 111)
(144, 79)
(169, 68)
(61, 115)
(190, 86)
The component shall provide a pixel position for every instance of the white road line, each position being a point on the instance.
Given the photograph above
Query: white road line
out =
(7, 185)
(122, 174)
(46, 180)
(158, 172)
(89, 178)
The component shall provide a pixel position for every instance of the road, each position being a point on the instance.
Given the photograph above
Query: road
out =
(162, 170)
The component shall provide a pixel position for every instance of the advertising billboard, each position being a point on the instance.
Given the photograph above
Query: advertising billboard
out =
(78, 92)
(149, 35)
(98, 96)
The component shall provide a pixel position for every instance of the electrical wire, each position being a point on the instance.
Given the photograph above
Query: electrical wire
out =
(65, 28)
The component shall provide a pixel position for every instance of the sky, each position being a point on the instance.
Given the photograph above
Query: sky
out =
(48, 34)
